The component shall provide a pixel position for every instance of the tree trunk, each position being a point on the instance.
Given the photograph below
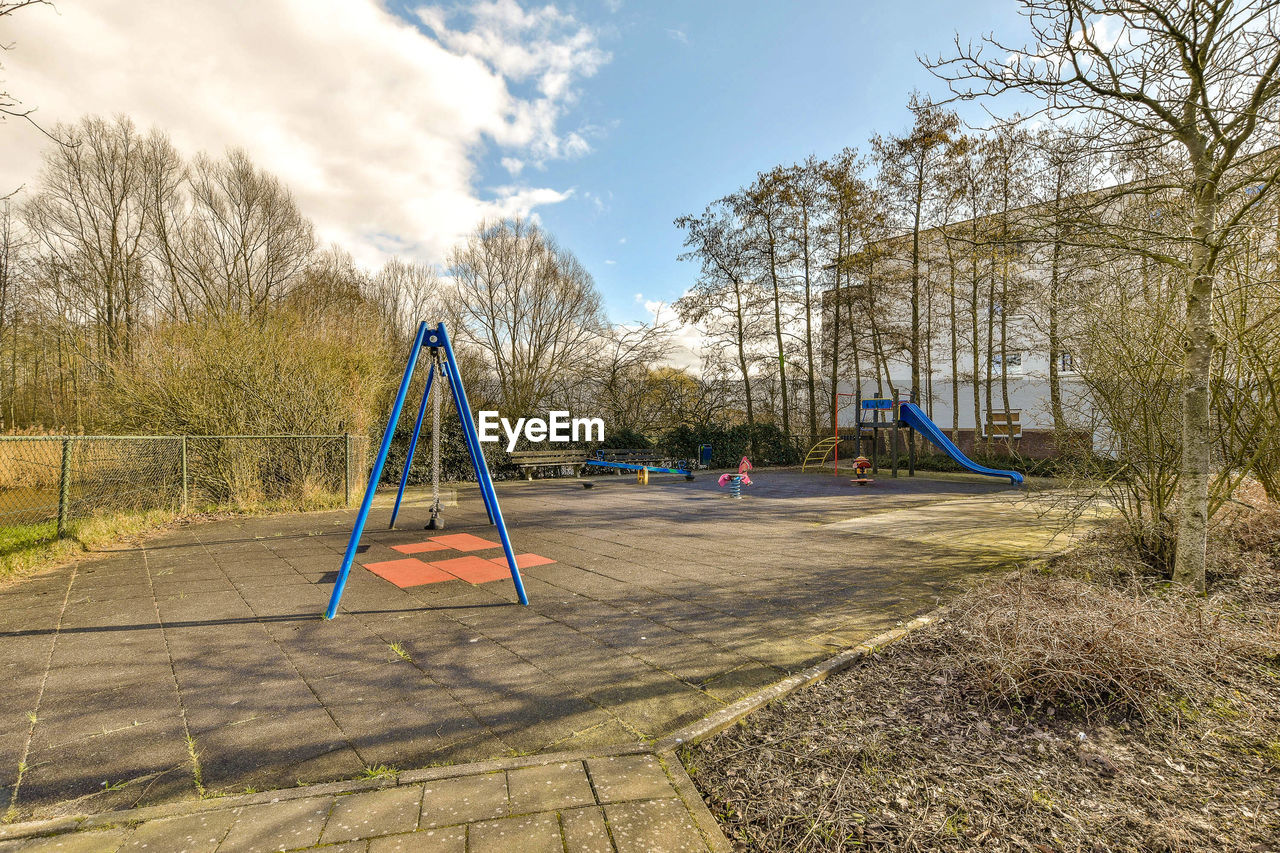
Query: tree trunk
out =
(955, 346)
(1197, 439)
(1004, 343)
(743, 366)
(777, 329)
(808, 337)
(915, 284)
(1055, 345)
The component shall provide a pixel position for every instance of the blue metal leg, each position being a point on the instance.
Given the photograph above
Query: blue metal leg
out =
(482, 469)
(374, 476)
(413, 444)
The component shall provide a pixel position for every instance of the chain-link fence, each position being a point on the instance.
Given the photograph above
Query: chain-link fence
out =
(59, 478)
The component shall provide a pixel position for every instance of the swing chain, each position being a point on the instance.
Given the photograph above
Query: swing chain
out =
(436, 393)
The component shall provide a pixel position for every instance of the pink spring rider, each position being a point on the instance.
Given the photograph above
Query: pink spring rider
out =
(735, 482)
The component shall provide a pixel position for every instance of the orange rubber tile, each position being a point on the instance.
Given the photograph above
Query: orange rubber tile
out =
(408, 572)
(420, 547)
(524, 561)
(473, 569)
(465, 542)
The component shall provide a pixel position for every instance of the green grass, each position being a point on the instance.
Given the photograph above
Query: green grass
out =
(29, 548)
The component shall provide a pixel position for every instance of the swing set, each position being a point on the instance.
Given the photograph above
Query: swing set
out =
(443, 372)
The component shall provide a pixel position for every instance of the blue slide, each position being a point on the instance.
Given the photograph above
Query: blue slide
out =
(914, 417)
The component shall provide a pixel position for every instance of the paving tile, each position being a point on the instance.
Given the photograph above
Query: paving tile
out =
(464, 799)
(472, 569)
(524, 561)
(642, 827)
(628, 777)
(277, 826)
(372, 813)
(547, 787)
(465, 542)
(535, 833)
(197, 833)
(449, 839)
(420, 547)
(584, 830)
(408, 572)
(96, 841)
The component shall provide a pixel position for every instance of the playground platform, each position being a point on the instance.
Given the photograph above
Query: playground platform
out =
(198, 665)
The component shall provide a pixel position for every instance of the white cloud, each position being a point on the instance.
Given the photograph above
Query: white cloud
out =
(678, 35)
(374, 124)
(687, 341)
(610, 262)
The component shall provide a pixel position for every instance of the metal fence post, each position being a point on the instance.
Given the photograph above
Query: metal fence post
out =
(184, 474)
(64, 488)
(346, 468)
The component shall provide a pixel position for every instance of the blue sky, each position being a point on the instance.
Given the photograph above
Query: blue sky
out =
(698, 97)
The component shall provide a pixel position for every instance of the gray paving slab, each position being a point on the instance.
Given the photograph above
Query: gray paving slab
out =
(584, 830)
(386, 812)
(535, 833)
(277, 826)
(195, 833)
(451, 839)
(548, 786)
(628, 777)
(464, 800)
(663, 604)
(641, 827)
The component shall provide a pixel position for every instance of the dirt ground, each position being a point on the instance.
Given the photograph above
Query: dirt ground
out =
(897, 754)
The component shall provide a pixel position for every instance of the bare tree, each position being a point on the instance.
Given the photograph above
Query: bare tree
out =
(411, 291)
(764, 210)
(246, 237)
(724, 300)
(528, 305)
(1162, 76)
(90, 218)
(908, 167)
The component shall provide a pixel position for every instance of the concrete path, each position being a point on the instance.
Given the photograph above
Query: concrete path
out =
(628, 803)
(197, 666)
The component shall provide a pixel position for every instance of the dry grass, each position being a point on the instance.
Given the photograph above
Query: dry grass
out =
(1081, 707)
(1036, 638)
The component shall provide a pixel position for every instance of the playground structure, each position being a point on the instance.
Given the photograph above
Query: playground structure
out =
(443, 371)
(894, 416)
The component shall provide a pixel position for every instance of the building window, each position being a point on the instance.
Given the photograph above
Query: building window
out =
(1066, 364)
(1015, 359)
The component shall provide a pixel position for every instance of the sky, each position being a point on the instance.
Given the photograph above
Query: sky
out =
(399, 125)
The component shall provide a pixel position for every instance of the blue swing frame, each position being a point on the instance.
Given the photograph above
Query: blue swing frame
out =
(436, 340)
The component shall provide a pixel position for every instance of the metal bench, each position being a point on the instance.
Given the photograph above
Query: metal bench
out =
(528, 461)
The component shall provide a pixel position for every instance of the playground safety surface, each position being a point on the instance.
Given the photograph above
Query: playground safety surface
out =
(198, 664)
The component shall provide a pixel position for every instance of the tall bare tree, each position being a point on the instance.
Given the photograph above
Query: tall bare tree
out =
(246, 235)
(909, 166)
(1198, 80)
(724, 299)
(528, 305)
(90, 218)
(763, 208)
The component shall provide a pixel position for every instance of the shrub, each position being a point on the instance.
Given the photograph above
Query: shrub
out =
(1037, 638)
(730, 443)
